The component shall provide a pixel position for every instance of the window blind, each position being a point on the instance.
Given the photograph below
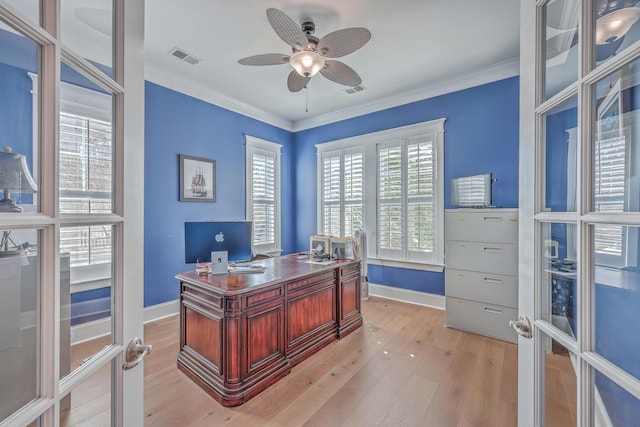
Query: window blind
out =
(406, 222)
(264, 198)
(610, 171)
(262, 162)
(85, 171)
(342, 192)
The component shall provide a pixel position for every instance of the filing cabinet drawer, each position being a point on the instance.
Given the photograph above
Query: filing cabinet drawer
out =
(485, 287)
(487, 225)
(480, 318)
(498, 258)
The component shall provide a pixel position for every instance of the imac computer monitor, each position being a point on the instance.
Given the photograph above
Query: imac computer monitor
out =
(201, 238)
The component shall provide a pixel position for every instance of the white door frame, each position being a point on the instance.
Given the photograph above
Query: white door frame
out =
(127, 219)
(532, 215)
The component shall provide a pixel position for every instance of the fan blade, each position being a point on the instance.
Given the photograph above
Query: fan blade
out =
(290, 32)
(340, 72)
(296, 82)
(343, 42)
(265, 59)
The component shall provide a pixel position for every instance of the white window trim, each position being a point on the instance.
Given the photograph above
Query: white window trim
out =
(253, 144)
(368, 142)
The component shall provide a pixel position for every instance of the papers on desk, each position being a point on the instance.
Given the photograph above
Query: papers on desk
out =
(247, 268)
(323, 262)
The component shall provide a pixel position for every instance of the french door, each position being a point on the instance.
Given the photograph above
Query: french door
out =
(580, 213)
(71, 220)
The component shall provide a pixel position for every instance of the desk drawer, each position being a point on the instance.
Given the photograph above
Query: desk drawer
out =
(486, 287)
(499, 258)
(480, 318)
(482, 226)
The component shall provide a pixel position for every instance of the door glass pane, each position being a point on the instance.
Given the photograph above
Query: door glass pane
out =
(560, 385)
(19, 320)
(561, 45)
(87, 30)
(559, 265)
(613, 406)
(29, 8)
(86, 295)
(560, 157)
(617, 297)
(18, 132)
(86, 149)
(616, 155)
(616, 27)
(89, 404)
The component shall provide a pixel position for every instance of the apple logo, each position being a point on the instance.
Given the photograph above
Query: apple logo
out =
(220, 237)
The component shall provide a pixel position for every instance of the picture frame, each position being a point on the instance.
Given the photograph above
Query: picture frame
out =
(197, 179)
(320, 247)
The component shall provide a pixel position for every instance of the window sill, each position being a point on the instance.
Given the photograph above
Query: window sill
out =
(436, 268)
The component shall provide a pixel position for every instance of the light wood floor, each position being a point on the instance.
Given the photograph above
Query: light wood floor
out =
(402, 368)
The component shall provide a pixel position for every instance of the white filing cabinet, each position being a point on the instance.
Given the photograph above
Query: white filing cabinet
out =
(481, 271)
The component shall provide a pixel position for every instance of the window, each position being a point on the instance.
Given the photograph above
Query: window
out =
(610, 171)
(405, 200)
(263, 193)
(391, 184)
(342, 192)
(85, 171)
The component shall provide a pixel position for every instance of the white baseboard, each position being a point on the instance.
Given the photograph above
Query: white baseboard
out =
(160, 311)
(102, 327)
(406, 295)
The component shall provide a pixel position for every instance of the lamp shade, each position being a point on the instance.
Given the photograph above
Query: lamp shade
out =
(614, 25)
(14, 173)
(307, 63)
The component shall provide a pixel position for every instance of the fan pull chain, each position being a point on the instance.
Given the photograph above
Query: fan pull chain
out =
(306, 99)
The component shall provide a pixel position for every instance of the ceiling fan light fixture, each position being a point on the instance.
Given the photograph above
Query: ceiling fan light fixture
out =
(307, 63)
(614, 25)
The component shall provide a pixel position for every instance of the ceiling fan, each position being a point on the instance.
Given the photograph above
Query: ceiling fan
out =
(310, 53)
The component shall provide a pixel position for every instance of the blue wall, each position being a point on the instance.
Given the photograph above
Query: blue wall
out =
(179, 124)
(481, 135)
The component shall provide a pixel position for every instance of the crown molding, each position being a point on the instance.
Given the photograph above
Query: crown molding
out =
(205, 94)
(479, 77)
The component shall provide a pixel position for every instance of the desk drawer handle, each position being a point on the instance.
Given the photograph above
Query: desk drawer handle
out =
(490, 280)
(493, 218)
(492, 310)
(494, 250)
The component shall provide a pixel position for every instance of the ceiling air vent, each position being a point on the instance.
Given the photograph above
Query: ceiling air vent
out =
(185, 56)
(355, 89)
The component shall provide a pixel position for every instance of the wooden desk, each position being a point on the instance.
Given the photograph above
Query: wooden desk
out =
(241, 333)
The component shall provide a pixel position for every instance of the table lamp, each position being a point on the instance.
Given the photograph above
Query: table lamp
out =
(14, 175)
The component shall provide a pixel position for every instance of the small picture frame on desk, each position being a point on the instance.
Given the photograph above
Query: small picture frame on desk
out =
(343, 248)
(197, 179)
(319, 247)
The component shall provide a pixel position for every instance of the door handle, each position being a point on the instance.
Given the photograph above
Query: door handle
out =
(136, 351)
(522, 326)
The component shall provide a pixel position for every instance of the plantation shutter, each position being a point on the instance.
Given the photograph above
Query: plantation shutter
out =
(262, 194)
(331, 194)
(342, 192)
(85, 186)
(406, 180)
(264, 198)
(610, 159)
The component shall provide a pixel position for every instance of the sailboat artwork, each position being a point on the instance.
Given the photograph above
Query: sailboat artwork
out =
(199, 184)
(197, 179)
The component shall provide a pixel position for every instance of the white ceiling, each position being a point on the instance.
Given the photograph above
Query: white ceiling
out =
(418, 49)
(415, 46)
